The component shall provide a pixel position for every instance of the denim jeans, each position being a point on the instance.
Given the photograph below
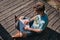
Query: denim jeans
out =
(21, 27)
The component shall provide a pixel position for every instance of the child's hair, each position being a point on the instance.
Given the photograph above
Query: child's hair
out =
(39, 6)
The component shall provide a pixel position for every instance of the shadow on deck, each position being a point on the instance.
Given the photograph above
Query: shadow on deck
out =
(4, 34)
(47, 34)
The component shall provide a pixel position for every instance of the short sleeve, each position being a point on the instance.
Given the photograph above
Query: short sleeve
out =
(41, 25)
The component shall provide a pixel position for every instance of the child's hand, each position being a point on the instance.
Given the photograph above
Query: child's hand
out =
(26, 28)
(26, 22)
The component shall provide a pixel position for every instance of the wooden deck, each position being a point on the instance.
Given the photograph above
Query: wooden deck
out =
(10, 8)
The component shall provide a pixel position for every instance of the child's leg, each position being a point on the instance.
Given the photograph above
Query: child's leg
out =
(18, 34)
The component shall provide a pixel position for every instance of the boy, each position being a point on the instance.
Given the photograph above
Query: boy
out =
(40, 21)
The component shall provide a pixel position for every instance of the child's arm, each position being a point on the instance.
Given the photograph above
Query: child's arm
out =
(26, 22)
(31, 29)
(35, 30)
(32, 18)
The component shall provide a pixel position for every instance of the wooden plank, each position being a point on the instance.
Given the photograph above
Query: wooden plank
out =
(13, 32)
(12, 16)
(52, 21)
(57, 15)
(12, 2)
(58, 29)
(56, 25)
(25, 13)
(4, 1)
(12, 8)
(47, 7)
(13, 11)
(8, 2)
(9, 5)
(6, 26)
(30, 14)
(11, 28)
(50, 11)
(52, 15)
(17, 13)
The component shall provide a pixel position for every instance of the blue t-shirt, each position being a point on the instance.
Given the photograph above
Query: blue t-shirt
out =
(40, 22)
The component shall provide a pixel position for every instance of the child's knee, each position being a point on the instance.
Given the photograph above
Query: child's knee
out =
(21, 34)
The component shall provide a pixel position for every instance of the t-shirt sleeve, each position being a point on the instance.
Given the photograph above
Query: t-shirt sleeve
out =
(42, 25)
